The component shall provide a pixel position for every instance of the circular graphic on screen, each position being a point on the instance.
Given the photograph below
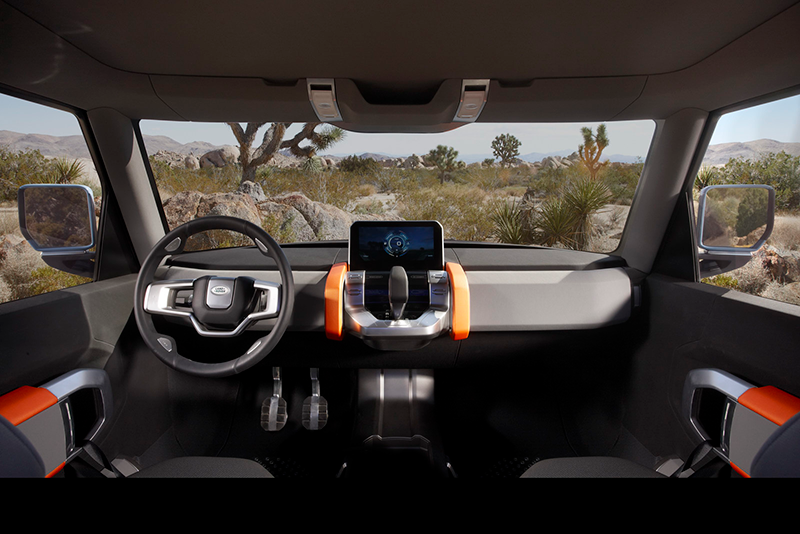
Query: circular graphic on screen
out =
(396, 244)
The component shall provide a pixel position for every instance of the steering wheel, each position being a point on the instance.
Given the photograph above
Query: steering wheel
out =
(220, 306)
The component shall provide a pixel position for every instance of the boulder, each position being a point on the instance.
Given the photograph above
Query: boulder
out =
(413, 162)
(220, 157)
(181, 208)
(284, 223)
(776, 265)
(253, 189)
(172, 159)
(188, 205)
(191, 162)
(327, 222)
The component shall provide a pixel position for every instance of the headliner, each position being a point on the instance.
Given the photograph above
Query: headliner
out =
(248, 59)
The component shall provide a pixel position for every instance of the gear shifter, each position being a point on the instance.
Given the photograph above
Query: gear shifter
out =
(398, 292)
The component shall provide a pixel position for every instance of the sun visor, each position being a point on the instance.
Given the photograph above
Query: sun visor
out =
(235, 99)
(561, 99)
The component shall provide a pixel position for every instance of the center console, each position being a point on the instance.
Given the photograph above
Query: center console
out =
(396, 292)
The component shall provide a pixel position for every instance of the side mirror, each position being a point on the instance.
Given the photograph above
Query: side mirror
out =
(733, 222)
(58, 220)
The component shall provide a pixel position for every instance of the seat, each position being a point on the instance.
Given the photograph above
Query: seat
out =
(777, 458)
(20, 459)
(589, 467)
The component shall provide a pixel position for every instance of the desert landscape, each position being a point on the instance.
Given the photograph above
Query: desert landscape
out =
(557, 201)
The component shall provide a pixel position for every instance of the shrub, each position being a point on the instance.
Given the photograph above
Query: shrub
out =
(722, 280)
(463, 211)
(752, 212)
(583, 198)
(555, 224)
(173, 180)
(508, 221)
(781, 171)
(20, 168)
(360, 166)
(622, 180)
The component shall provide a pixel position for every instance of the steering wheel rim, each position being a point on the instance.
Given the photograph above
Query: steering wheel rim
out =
(164, 346)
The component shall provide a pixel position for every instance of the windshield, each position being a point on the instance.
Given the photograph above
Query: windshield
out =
(556, 185)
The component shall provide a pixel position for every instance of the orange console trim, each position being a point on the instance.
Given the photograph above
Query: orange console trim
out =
(334, 303)
(460, 309)
(771, 402)
(25, 402)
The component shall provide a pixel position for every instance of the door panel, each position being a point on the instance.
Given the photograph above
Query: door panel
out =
(51, 334)
(690, 325)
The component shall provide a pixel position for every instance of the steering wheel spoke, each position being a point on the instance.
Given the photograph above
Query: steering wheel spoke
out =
(162, 298)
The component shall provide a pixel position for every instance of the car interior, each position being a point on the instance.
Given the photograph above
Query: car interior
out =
(519, 361)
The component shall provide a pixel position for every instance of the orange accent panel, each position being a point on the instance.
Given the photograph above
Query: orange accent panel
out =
(55, 471)
(334, 305)
(25, 402)
(771, 402)
(739, 470)
(460, 309)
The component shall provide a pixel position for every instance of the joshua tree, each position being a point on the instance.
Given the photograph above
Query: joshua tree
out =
(444, 157)
(273, 141)
(506, 147)
(592, 148)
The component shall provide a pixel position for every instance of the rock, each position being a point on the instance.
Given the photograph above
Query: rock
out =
(285, 223)
(188, 205)
(220, 157)
(237, 205)
(191, 162)
(413, 162)
(172, 159)
(785, 293)
(181, 208)
(253, 189)
(775, 264)
(327, 222)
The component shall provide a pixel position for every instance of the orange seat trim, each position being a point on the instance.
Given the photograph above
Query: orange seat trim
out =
(25, 402)
(771, 402)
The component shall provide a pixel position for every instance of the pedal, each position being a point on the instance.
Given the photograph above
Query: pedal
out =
(315, 407)
(273, 410)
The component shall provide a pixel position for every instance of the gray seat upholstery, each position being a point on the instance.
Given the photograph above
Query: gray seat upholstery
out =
(777, 458)
(589, 467)
(19, 459)
(205, 467)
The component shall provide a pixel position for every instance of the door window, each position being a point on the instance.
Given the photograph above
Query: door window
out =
(761, 145)
(38, 145)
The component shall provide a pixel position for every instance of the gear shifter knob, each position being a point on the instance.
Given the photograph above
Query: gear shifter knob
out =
(398, 291)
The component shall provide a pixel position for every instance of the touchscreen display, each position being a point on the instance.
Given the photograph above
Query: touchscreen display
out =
(378, 246)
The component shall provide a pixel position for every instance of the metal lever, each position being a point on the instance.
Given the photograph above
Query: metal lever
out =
(315, 407)
(273, 409)
(398, 291)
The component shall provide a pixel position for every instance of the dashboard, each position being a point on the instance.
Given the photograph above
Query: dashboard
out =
(509, 290)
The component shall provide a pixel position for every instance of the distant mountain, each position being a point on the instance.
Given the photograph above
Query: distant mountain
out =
(721, 153)
(74, 146)
(154, 143)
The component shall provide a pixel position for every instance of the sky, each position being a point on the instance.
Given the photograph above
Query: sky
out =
(778, 120)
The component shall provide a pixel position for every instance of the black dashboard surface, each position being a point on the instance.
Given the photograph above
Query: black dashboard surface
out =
(320, 256)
